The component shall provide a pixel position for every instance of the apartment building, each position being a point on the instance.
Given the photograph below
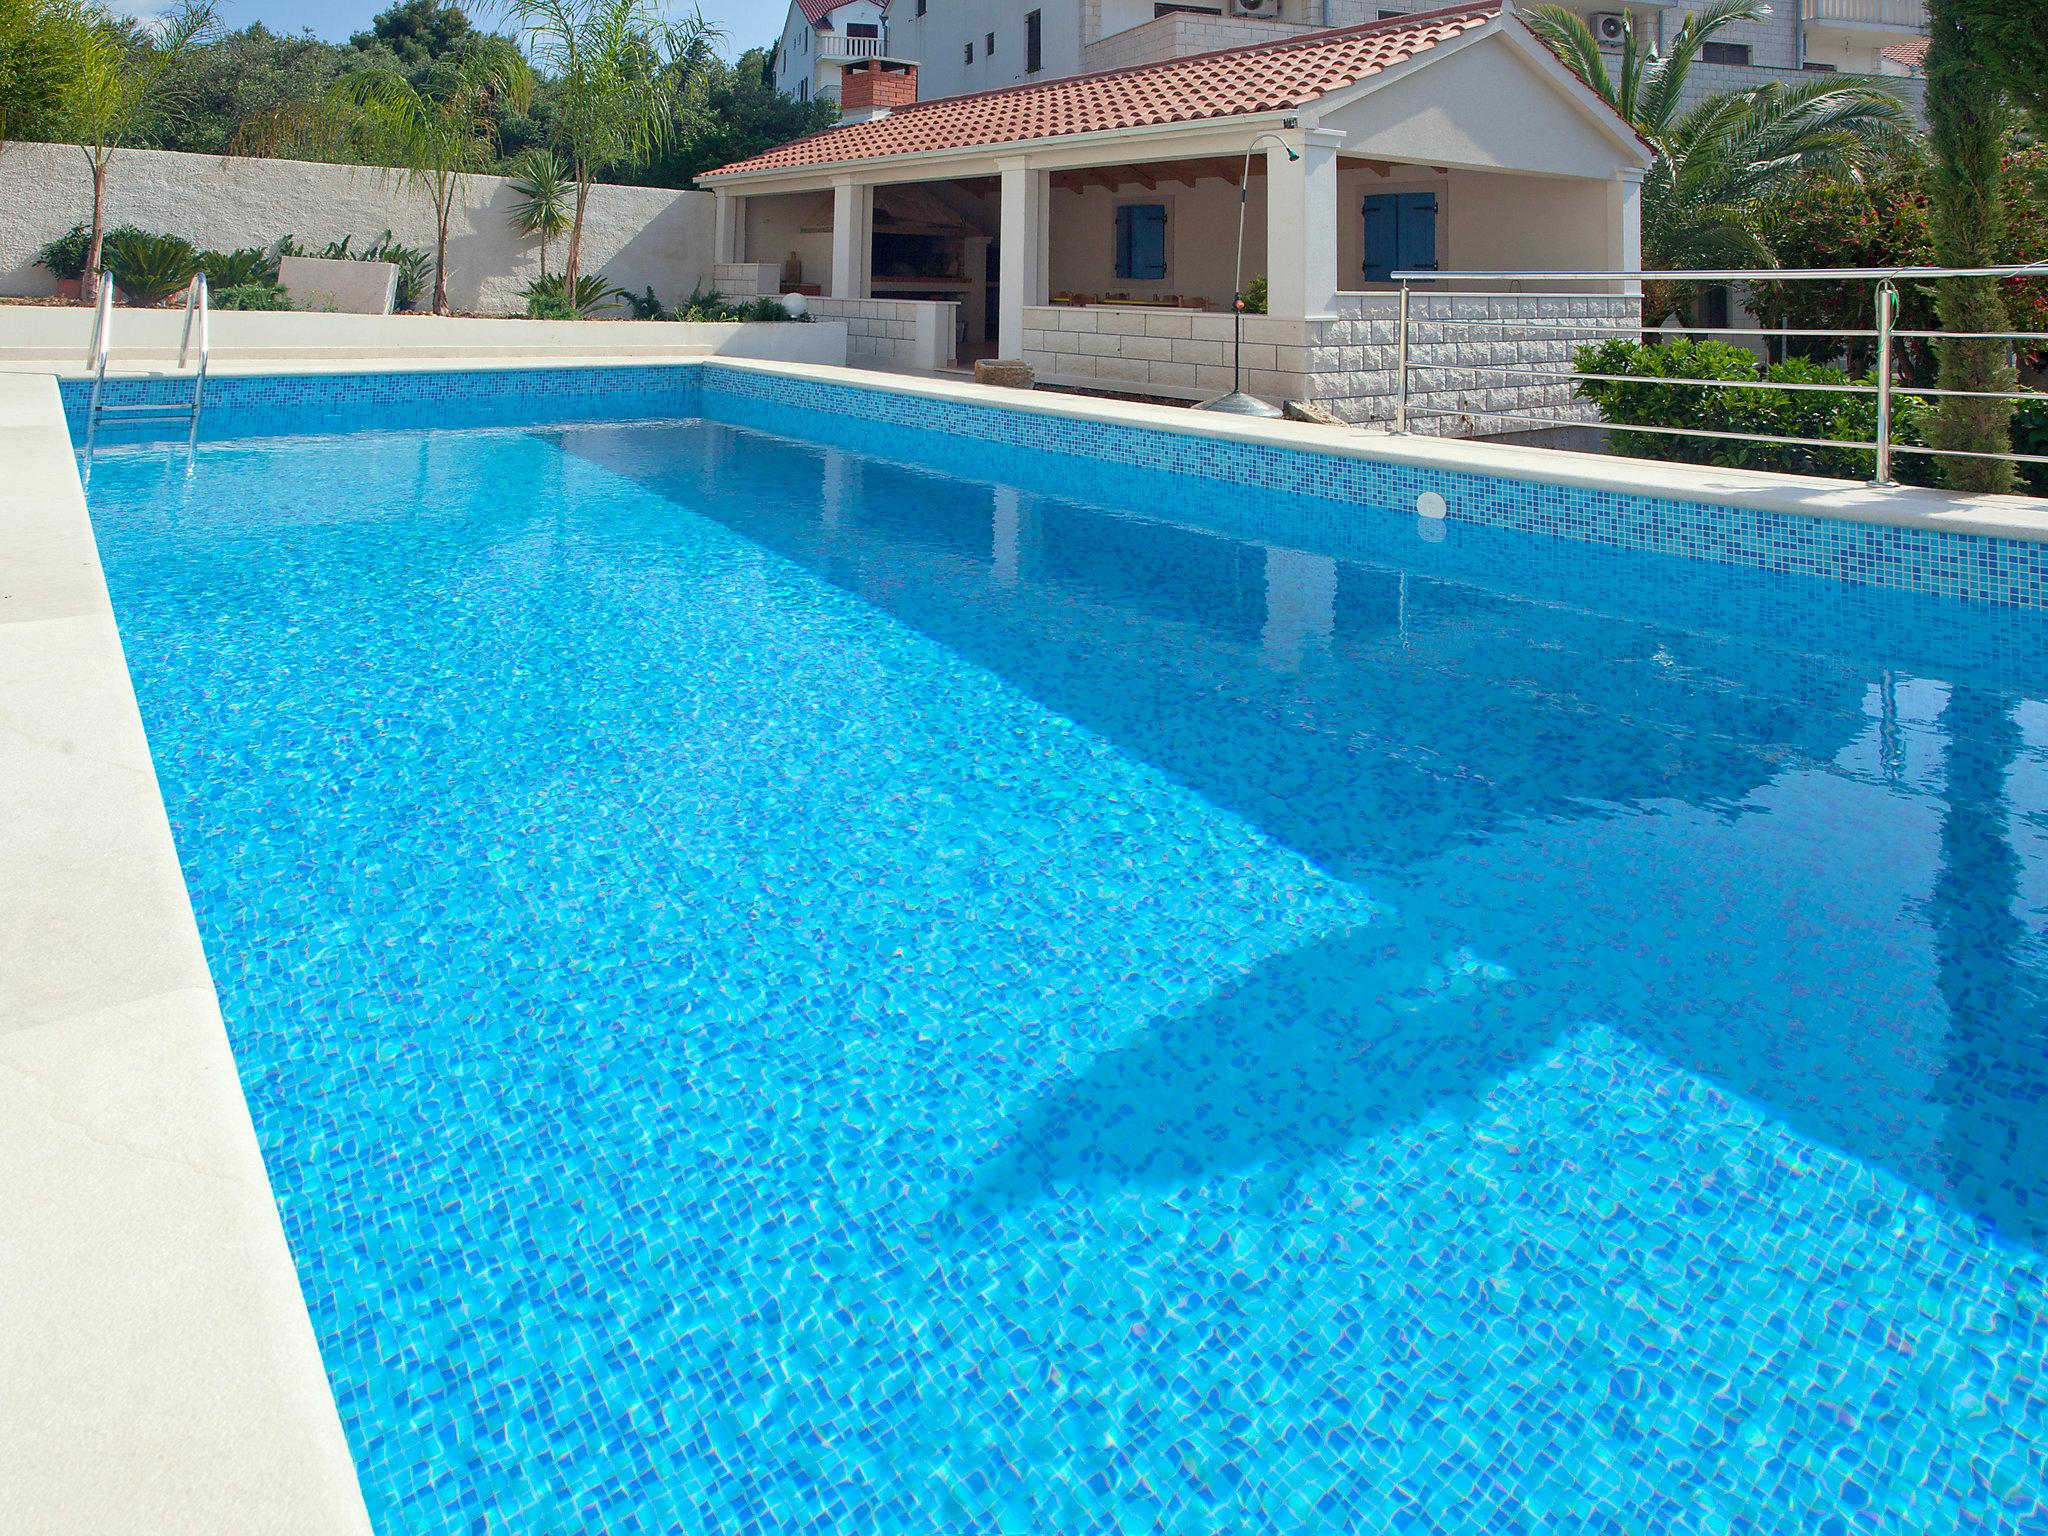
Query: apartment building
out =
(975, 45)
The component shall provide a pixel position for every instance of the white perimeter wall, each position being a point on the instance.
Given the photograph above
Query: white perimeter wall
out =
(638, 237)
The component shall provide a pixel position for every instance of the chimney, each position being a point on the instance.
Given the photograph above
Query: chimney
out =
(872, 88)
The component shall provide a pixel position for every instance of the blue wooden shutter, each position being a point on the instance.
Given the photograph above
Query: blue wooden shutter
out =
(1418, 232)
(1141, 240)
(1400, 234)
(1382, 235)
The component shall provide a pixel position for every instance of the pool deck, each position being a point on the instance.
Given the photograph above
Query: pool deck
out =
(157, 1368)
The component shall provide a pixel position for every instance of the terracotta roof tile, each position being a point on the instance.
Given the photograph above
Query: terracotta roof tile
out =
(1913, 54)
(1266, 77)
(816, 11)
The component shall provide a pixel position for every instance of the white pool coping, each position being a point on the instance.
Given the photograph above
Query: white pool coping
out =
(158, 1370)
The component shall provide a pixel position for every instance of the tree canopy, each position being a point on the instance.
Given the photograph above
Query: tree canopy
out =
(239, 92)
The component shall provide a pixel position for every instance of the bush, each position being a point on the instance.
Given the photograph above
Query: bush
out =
(65, 255)
(548, 299)
(647, 306)
(238, 268)
(149, 268)
(2030, 435)
(1747, 414)
(710, 306)
(249, 296)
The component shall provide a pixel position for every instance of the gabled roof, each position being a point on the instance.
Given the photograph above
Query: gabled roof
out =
(1265, 77)
(1913, 55)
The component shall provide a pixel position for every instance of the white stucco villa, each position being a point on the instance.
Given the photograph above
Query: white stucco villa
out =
(1088, 224)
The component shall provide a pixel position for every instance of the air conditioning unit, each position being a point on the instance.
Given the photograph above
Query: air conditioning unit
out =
(1610, 27)
(1267, 9)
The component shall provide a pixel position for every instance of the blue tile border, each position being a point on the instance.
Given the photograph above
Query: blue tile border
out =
(268, 405)
(1973, 567)
(1978, 568)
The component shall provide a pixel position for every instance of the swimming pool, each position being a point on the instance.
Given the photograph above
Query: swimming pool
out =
(794, 976)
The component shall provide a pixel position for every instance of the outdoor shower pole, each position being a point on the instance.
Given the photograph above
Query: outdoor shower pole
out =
(1237, 401)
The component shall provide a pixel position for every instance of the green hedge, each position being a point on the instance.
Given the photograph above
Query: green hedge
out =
(1747, 413)
(1774, 412)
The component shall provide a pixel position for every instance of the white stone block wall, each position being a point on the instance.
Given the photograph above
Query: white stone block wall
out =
(637, 237)
(1468, 353)
(880, 333)
(1176, 353)
(1461, 347)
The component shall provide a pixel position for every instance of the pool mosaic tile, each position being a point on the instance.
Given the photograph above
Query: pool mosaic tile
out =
(792, 988)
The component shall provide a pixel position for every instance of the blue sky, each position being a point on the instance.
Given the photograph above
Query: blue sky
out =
(746, 22)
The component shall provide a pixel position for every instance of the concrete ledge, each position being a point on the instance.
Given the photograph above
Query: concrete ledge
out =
(55, 339)
(157, 1368)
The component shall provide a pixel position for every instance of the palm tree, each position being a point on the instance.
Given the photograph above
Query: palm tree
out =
(116, 77)
(542, 185)
(434, 137)
(1719, 162)
(621, 73)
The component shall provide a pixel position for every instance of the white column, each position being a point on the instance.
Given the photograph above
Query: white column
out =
(1625, 225)
(1022, 253)
(1301, 226)
(729, 242)
(853, 208)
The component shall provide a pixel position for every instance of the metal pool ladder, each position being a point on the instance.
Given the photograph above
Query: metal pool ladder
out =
(154, 410)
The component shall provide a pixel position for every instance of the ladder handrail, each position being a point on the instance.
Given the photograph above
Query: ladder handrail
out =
(96, 358)
(195, 303)
(99, 350)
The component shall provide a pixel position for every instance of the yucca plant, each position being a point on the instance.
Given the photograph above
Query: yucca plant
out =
(543, 190)
(149, 268)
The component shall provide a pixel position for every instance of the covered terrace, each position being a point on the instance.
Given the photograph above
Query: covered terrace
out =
(1089, 225)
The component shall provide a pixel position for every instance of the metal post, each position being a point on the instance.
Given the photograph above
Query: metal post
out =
(1401, 363)
(1887, 310)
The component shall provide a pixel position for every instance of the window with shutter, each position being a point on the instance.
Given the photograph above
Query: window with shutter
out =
(1141, 241)
(1400, 234)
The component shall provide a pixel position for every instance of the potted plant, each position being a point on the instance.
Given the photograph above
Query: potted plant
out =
(65, 258)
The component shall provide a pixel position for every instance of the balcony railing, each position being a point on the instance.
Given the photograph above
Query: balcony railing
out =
(850, 48)
(1893, 15)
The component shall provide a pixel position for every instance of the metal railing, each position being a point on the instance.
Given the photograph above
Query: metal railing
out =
(1883, 332)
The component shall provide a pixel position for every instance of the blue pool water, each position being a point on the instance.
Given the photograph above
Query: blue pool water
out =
(793, 978)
